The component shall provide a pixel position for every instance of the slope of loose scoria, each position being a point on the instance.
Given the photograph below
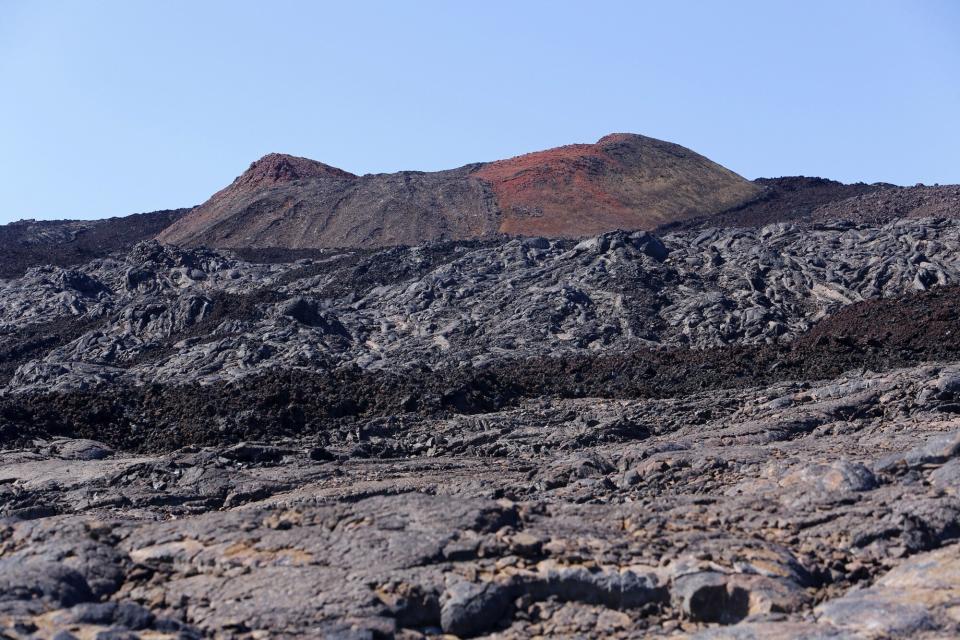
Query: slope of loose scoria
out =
(623, 181)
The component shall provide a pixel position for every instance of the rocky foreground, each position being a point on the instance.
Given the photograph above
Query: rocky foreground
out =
(738, 433)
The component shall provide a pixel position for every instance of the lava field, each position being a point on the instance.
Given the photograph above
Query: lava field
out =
(708, 432)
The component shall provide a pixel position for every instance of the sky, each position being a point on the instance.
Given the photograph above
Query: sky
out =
(111, 108)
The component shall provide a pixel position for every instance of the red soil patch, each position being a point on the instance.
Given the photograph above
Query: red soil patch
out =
(552, 190)
(278, 167)
(623, 181)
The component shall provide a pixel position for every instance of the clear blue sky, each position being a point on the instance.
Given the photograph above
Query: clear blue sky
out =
(109, 108)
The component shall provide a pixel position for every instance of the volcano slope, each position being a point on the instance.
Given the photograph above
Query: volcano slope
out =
(623, 181)
(30, 243)
(718, 433)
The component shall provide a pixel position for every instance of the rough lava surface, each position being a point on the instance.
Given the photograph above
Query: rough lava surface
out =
(518, 423)
(720, 433)
(31, 243)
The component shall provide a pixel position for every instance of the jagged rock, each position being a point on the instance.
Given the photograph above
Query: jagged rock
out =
(80, 449)
(39, 585)
(906, 602)
(936, 450)
(462, 304)
(832, 478)
(469, 609)
(124, 614)
(616, 589)
(714, 597)
(519, 437)
(948, 476)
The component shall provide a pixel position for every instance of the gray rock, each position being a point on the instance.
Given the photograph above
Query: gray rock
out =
(53, 584)
(123, 614)
(470, 609)
(708, 596)
(703, 597)
(615, 589)
(880, 619)
(948, 476)
(772, 630)
(80, 449)
(937, 450)
(828, 480)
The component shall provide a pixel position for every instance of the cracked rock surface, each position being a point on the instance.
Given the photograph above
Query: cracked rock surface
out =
(164, 315)
(811, 510)
(710, 434)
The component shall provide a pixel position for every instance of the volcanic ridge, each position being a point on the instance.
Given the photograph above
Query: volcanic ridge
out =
(623, 181)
